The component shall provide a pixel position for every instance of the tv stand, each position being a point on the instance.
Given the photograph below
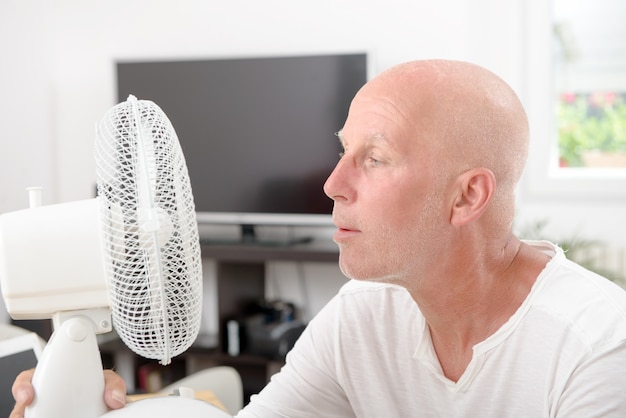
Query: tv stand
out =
(240, 272)
(241, 282)
(248, 236)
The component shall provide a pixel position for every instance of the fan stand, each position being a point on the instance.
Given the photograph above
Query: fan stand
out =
(68, 380)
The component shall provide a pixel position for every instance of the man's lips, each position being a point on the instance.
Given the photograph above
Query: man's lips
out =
(344, 233)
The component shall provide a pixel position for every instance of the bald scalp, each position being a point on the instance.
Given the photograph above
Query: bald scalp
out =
(469, 116)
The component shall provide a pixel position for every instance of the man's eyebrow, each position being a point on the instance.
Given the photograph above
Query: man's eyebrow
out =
(377, 137)
(374, 137)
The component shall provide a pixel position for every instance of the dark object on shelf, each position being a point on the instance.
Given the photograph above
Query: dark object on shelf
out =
(270, 332)
(273, 339)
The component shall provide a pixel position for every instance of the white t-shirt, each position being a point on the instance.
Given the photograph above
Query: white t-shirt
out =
(368, 353)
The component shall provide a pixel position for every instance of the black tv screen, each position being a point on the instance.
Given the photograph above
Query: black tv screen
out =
(257, 133)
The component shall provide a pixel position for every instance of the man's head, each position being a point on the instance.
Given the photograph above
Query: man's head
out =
(433, 152)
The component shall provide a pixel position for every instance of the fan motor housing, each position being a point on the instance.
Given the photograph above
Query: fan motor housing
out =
(35, 285)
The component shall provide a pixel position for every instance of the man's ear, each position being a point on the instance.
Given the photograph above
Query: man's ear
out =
(474, 191)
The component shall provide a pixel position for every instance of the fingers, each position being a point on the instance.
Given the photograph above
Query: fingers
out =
(23, 393)
(114, 390)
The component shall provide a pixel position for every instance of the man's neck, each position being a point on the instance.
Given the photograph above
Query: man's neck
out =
(464, 308)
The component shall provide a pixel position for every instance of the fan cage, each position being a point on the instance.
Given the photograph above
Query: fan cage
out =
(152, 249)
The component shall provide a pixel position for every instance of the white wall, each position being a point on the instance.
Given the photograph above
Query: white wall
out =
(57, 70)
(58, 59)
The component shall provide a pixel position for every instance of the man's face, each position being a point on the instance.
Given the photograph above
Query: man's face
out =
(388, 204)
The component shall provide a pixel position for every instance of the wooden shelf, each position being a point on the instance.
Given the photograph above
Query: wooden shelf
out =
(322, 251)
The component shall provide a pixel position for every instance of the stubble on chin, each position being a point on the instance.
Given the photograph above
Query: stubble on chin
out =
(375, 266)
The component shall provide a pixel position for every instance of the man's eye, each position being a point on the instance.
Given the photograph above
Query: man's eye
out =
(374, 162)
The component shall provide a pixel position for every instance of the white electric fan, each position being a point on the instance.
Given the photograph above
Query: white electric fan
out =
(131, 254)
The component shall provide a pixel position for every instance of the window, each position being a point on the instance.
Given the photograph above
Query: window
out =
(575, 54)
(590, 79)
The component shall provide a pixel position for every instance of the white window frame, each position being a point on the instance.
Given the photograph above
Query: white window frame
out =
(543, 177)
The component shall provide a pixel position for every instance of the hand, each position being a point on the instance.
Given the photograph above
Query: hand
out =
(24, 393)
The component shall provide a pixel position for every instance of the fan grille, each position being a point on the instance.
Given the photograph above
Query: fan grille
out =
(151, 238)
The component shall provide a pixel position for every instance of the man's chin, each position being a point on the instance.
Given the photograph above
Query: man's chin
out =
(365, 276)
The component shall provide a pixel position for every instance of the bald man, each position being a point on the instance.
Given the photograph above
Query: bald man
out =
(448, 313)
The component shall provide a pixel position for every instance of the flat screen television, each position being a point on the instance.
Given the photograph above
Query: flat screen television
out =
(257, 132)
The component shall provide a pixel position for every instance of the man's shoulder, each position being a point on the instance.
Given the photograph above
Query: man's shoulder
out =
(591, 304)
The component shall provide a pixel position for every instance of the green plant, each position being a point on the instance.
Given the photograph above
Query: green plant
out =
(590, 122)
